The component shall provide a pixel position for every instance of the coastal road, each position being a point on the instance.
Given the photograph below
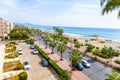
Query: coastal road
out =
(97, 70)
(37, 71)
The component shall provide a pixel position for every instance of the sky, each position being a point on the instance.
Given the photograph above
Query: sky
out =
(78, 13)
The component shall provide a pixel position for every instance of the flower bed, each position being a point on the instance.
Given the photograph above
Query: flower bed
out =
(10, 66)
(21, 76)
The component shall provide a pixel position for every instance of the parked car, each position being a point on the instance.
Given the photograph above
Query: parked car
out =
(44, 62)
(79, 66)
(85, 63)
(28, 42)
(20, 51)
(26, 65)
(32, 46)
(35, 51)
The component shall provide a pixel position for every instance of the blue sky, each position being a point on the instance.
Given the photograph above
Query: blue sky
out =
(79, 13)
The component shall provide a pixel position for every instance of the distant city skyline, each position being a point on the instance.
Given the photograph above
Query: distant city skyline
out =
(78, 13)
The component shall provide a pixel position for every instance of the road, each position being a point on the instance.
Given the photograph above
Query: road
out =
(97, 70)
(37, 71)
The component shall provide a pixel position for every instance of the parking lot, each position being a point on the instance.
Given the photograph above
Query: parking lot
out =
(37, 71)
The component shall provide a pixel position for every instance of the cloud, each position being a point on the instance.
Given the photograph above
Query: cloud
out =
(57, 12)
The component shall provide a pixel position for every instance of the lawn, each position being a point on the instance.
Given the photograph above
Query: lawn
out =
(21, 76)
(10, 66)
(14, 55)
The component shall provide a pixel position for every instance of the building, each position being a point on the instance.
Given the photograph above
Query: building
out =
(5, 27)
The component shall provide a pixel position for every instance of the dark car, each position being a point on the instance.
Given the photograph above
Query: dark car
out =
(44, 62)
(28, 42)
(85, 63)
(79, 66)
(32, 46)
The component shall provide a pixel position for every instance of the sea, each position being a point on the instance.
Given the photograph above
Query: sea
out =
(105, 33)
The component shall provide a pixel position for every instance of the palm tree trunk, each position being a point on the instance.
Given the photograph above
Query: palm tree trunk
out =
(46, 46)
(61, 57)
(52, 51)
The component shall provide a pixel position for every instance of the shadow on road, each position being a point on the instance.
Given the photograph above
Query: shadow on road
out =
(90, 61)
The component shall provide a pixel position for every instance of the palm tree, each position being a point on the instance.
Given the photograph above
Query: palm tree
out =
(77, 45)
(75, 57)
(46, 38)
(52, 45)
(61, 48)
(110, 5)
(113, 76)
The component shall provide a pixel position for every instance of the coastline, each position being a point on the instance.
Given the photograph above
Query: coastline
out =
(96, 42)
(115, 44)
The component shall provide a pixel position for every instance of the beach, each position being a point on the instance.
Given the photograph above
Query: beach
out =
(96, 42)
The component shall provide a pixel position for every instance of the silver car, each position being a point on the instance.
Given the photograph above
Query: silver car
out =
(20, 51)
(26, 65)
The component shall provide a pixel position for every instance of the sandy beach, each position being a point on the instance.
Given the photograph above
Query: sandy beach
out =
(95, 41)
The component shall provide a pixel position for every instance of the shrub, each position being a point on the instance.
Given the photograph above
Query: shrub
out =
(20, 76)
(117, 61)
(23, 76)
(64, 75)
(12, 42)
(11, 56)
(89, 47)
(96, 52)
(19, 66)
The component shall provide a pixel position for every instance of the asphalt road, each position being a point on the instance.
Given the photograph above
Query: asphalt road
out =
(97, 70)
(37, 71)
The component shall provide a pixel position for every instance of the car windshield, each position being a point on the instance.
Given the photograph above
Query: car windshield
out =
(26, 63)
(35, 50)
(19, 50)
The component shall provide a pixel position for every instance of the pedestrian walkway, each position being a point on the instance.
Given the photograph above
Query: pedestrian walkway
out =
(2, 47)
(76, 75)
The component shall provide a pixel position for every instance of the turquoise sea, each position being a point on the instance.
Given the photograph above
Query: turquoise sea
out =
(106, 33)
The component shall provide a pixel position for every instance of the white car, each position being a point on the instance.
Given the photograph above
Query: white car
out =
(26, 65)
(35, 51)
(85, 63)
(20, 51)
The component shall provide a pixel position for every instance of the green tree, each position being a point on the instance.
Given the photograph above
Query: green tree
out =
(110, 5)
(52, 45)
(77, 44)
(75, 57)
(113, 76)
(47, 39)
(61, 48)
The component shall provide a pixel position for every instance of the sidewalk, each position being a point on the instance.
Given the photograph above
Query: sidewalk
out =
(76, 75)
(1, 59)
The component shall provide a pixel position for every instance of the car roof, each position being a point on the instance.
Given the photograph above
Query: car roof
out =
(19, 49)
(26, 62)
(84, 60)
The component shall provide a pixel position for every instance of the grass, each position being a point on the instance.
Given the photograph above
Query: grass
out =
(14, 55)
(117, 61)
(10, 66)
(21, 76)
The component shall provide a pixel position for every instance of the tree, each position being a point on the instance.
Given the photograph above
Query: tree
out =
(113, 76)
(77, 44)
(46, 38)
(75, 57)
(58, 31)
(52, 45)
(61, 48)
(110, 5)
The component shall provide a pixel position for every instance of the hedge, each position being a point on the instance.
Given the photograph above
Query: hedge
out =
(64, 75)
